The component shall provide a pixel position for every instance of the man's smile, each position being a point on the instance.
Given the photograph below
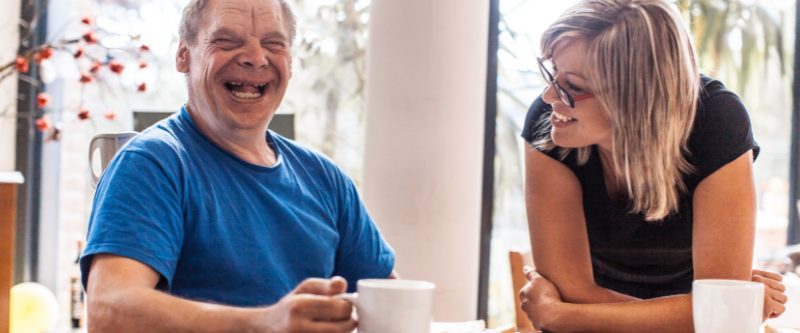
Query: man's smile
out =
(242, 90)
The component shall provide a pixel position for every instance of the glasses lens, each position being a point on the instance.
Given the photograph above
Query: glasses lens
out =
(545, 73)
(548, 77)
(565, 97)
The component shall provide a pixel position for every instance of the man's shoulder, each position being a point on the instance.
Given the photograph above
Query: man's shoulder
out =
(314, 163)
(162, 140)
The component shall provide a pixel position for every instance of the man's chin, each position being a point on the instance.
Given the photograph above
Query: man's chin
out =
(241, 113)
(244, 117)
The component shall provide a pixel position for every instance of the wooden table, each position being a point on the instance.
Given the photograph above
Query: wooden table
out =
(8, 201)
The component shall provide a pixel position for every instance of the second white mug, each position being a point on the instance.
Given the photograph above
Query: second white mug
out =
(727, 306)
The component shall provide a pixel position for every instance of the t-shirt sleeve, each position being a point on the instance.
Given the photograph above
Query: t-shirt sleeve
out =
(136, 214)
(362, 252)
(723, 133)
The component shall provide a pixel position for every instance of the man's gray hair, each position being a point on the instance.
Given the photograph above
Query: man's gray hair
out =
(194, 10)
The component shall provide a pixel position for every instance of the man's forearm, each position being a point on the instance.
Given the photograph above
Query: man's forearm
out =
(665, 314)
(138, 310)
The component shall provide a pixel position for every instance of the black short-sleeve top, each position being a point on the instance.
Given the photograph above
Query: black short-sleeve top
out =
(652, 259)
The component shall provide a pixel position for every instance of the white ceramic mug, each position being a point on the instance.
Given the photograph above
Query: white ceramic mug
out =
(108, 145)
(727, 306)
(393, 306)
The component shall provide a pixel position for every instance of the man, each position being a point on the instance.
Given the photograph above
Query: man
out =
(202, 224)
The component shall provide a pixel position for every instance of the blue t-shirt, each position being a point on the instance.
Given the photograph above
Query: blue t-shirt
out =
(222, 230)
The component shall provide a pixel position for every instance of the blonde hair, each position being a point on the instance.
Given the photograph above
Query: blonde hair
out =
(642, 66)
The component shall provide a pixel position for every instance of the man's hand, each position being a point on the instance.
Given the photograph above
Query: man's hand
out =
(539, 298)
(310, 308)
(774, 297)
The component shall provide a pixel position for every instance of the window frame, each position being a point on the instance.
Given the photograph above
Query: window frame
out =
(793, 230)
(489, 154)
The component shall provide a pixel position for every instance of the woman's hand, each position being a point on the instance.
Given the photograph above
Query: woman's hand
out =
(540, 297)
(774, 297)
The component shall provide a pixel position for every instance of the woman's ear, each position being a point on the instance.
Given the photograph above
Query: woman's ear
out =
(182, 58)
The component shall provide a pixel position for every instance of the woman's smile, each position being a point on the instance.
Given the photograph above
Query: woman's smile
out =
(560, 120)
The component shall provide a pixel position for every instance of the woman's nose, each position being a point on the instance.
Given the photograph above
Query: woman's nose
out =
(550, 95)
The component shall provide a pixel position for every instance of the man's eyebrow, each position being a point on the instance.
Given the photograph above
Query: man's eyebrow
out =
(224, 31)
(274, 35)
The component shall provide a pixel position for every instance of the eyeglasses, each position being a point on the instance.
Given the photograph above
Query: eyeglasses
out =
(565, 96)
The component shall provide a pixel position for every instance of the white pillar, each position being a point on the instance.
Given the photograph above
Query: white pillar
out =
(426, 81)
(9, 37)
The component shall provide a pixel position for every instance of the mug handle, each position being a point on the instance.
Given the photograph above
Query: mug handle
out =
(92, 146)
(350, 297)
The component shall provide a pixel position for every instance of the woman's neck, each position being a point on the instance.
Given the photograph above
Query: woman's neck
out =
(616, 184)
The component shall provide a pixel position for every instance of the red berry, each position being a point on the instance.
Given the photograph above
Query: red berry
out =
(115, 66)
(95, 69)
(83, 114)
(43, 123)
(90, 37)
(44, 54)
(42, 100)
(22, 64)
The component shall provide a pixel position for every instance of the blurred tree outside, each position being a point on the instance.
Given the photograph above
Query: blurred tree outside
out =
(327, 89)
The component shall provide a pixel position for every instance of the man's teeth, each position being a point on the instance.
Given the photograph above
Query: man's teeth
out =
(562, 117)
(246, 95)
(241, 84)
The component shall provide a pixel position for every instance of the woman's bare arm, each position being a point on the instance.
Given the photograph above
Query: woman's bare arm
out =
(559, 240)
(723, 236)
(725, 222)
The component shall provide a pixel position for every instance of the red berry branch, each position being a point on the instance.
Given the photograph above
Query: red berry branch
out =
(77, 48)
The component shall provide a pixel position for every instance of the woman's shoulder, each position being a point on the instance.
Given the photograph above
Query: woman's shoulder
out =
(713, 89)
(721, 132)
(721, 116)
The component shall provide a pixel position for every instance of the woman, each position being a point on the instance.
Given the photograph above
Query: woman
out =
(640, 177)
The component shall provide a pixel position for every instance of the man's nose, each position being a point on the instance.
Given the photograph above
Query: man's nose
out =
(254, 56)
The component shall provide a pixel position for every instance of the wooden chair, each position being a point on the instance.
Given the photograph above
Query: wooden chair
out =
(518, 261)
(8, 196)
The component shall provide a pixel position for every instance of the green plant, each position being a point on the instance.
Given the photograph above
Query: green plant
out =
(737, 38)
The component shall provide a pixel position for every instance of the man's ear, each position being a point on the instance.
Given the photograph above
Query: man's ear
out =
(182, 58)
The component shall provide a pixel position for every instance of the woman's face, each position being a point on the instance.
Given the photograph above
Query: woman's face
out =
(588, 123)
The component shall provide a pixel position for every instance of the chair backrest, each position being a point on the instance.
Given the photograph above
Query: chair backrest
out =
(518, 261)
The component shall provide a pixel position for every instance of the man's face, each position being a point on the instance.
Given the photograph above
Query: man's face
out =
(239, 66)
